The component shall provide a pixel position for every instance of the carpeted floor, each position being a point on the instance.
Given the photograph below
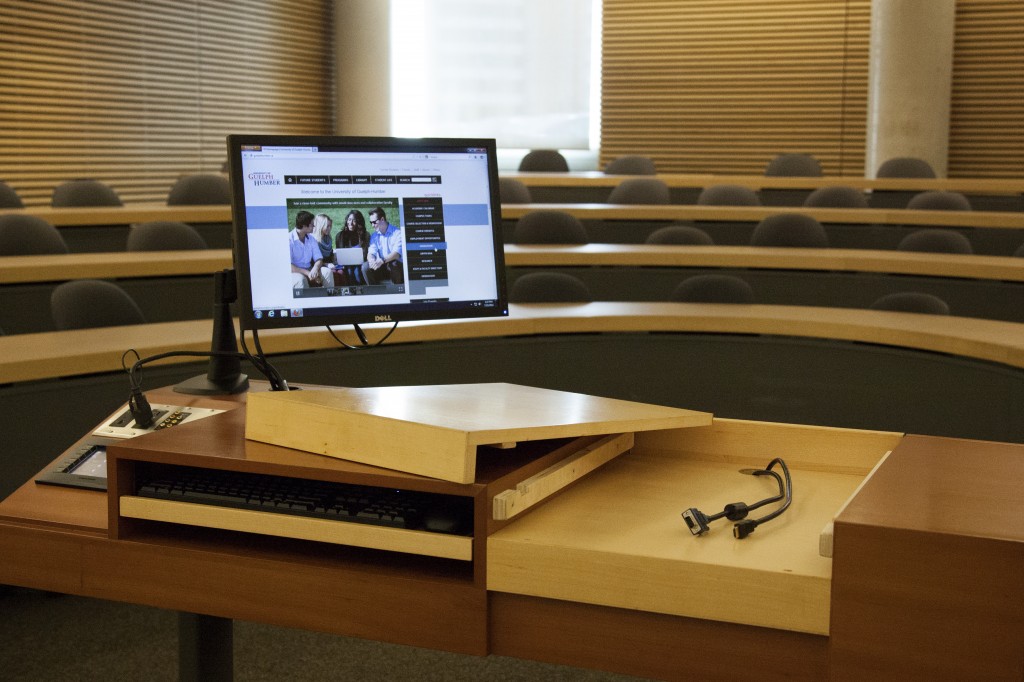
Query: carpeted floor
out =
(49, 637)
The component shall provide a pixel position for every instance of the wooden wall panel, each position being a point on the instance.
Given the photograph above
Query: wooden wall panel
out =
(137, 94)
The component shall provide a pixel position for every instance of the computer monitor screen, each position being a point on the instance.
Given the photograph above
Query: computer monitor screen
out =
(349, 230)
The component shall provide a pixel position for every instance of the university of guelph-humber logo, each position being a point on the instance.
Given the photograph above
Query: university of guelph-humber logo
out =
(261, 178)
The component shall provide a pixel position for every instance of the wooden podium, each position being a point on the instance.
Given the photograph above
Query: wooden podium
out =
(507, 447)
(603, 574)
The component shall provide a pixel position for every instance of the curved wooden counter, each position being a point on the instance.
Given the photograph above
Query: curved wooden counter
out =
(112, 265)
(134, 213)
(678, 212)
(756, 182)
(1005, 268)
(125, 215)
(28, 357)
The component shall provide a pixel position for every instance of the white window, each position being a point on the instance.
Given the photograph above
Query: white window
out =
(520, 71)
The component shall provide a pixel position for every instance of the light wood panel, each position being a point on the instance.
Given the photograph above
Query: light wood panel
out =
(304, 528)
(27, 357)
(435, 430)
(618, 540)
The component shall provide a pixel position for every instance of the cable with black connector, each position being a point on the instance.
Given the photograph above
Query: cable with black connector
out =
(699, 523)
(139, 405)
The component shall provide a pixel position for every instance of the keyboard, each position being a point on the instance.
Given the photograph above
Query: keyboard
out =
(343, 502)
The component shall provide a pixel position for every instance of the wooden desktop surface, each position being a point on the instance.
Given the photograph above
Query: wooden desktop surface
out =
(1005, 268)
(125, 215)
(27, 357)
(141, 264)
(111, 265)
(756, 182)
(681, 212)
(134, 213)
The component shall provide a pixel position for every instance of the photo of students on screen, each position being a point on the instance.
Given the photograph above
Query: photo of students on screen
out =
(322, 228)
(308, 268)
(384, 255)
(353, 234)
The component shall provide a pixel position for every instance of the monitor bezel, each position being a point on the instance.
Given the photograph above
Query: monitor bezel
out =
(377, 313)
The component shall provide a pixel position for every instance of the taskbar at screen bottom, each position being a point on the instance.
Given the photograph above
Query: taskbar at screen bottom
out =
(350, 290)
(420, 309)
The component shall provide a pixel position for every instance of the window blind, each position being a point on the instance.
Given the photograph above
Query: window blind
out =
(725, 85)
(136, 94)
(987, 102)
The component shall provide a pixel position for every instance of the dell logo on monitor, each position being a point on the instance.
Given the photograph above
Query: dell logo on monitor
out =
(382, 318)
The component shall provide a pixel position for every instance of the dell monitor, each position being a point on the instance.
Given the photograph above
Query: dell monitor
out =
(352, 230)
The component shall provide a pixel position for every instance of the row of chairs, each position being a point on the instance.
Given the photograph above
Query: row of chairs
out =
(93, 303)
(782, 165)
(189, 190)
(23, 234)
(636, 191)
(26, 235)
(779, 230)
(560, 287)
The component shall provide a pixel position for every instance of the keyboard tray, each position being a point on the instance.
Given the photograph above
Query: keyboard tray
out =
(380, 518)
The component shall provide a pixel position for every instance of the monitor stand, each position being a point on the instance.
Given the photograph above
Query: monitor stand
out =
(224, 375)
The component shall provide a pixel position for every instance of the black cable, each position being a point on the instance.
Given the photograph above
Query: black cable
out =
(788, 489)
(139, 406)
(259, 361)
(362, 338)
(698, 522)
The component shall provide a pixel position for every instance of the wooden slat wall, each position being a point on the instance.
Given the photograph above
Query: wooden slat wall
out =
(137, 94)
(987, 108)
(724, 85)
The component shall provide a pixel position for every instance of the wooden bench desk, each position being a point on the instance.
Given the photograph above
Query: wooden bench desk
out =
(678, 212)
(111, 265)
(756, 182)
(30, 357)
(75, 216)
(134, 213)
(989, 287)
(174, 285)
(105, 228)
(1006, 268)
